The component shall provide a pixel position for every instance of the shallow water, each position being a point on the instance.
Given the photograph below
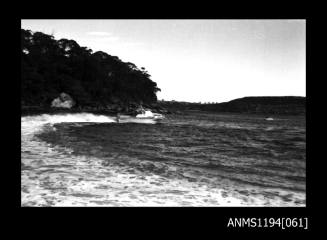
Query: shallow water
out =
(190, 159)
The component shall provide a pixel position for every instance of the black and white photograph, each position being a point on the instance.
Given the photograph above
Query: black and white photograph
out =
(163, 113)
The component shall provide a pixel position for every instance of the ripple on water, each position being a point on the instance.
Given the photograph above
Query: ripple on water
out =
(54, 176)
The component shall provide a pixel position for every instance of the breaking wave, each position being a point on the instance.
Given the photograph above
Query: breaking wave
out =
(52, 175)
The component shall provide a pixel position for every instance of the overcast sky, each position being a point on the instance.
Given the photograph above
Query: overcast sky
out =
(199, 60)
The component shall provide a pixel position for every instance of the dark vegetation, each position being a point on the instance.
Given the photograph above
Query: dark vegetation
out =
(99, 82)
(94, 80)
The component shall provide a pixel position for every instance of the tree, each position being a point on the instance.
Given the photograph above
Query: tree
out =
(52, 66)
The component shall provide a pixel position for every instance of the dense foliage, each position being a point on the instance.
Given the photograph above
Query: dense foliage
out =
(49, 67)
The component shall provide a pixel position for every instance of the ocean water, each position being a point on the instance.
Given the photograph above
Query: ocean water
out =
(188, 159)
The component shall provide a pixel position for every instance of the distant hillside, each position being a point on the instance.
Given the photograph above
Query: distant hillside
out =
(259, 105)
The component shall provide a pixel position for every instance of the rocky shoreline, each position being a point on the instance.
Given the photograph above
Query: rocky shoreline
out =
(249, 105)
(109, 110)
(64, 103)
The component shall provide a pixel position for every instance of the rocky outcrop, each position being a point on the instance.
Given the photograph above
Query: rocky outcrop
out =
(63, 101)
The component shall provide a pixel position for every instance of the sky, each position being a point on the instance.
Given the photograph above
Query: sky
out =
(199, 60)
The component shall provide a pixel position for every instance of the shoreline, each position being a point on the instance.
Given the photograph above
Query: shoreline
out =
(35, 110)
(32, 111)
(84, 181)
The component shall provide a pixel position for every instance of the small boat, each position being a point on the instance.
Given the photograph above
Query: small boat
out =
(269, 119)
(145, 117)
(150, 115)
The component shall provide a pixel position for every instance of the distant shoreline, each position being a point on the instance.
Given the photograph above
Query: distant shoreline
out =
(112, 114)
(268, 106)
(286, 105)
(30, 111)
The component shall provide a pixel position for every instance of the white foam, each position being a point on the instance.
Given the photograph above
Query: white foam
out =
(54, 177)
(59, 118)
